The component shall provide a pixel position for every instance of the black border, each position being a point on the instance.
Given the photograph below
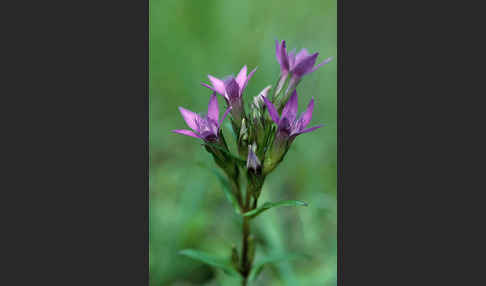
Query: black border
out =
(340, 144)
(147, 145)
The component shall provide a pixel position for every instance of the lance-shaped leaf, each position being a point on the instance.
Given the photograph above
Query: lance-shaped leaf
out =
(210, 260)
(227, 191)
(225, 184)
(267, 206)
(258, 267)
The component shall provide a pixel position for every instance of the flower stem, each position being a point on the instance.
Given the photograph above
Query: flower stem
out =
(246, 258)
(245, 265)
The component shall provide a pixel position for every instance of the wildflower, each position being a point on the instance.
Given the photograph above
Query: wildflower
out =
(296, 64)
(205, 127)
(288, 127)
(231, 89)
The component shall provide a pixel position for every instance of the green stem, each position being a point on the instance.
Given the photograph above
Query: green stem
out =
(246, 262)
(236, 189)
(245, 265)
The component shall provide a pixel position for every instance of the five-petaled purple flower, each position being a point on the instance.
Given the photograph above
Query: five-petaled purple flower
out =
(206, 126)
(288, 127)
(288, 124)
(298, 64)
(231, 89)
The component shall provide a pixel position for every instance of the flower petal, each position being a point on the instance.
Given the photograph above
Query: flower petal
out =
(301, 56)
(208, 86)
(308, 130)
(190, 118)
(264, 91)
(272, 111)
(305, 65)
(187, 133)
(291, 59)
(213, 108)
(242, 87)
(218, 85)
(277, 51)
(241, 77)
(284, 65)
(232, 89)
(290, 109)
(321, 64)
(307, 114)
(224, 116)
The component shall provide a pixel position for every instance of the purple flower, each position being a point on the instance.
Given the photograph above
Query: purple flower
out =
(288, 124)
(298, 64)
(231, 88)
(205, 127)
(288, 127)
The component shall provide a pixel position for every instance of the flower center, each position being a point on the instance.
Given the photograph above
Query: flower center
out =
(207, 127)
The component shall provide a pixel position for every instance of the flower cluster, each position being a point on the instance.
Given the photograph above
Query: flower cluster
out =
(263, 138)
(264, 130)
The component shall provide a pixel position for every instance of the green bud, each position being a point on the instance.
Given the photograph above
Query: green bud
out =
(258, 102)
(243, 130)
(277, 152)
(243, 139)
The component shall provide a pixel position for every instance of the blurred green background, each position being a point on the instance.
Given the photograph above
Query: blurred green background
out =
(190, 39)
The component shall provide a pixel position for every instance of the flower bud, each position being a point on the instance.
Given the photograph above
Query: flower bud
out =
(243, 130)
(243, 139)
(258, 101)
(253, 164)
(257, 118)
(276, 153)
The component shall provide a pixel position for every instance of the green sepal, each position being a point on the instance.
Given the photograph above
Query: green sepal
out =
(230, 196)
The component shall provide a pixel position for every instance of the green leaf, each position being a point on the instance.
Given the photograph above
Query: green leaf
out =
(210, 260)
(227, 191)
(267, 206)
(230, 196)
(258, 267)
